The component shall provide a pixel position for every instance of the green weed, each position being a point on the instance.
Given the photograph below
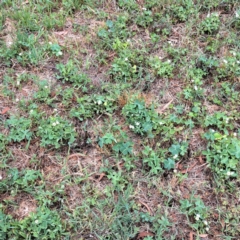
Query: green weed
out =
(56, 131)
(197, 213)
(141, 119)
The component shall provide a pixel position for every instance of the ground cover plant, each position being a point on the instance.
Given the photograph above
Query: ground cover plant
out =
(119, 119)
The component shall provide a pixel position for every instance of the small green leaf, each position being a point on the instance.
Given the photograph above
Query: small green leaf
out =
(169, 164)
(175, 149)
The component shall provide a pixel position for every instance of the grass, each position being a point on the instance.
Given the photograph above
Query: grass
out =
(119, 119)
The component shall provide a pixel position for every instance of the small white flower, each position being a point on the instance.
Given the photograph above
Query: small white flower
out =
(45, 86)
(55, 110)
(128, 40)
(175, 170)
(227, 120)
(228, 173)
(237, 14)
(50, 43)
(168, 61)
(205, 222)
(235, 134)
(144, 9)
(57, 122)
(31, 111)
(137, 123)
(36, 221)
(99, 102)
(131, 126)
(161, 123)
(105, 104)
(126, 59)
(18, 83)
(60, 53)
(197, 217)
(238, 62)
(232, 173)
(225, 61)
(192, 80)
(175, 156)
(1, 177)
(160, 57)
(234, 54)
(54, 124)
(196, 88)
(17, 100)
(20, 54)
(207, 229)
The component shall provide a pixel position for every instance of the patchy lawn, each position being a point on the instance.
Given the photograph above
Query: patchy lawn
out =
(120, 119)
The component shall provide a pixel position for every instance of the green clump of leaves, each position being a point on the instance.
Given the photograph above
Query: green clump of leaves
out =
(219, 120)
(71, 6)
(223, 155)
(122, 70)
(145, 18)
(129, 65)
(128, 4)
(17, 181)
(152, 160)
(229, 67)
(20, 129)
(44, 92)
(25, 49)
(162, 68)
(56, 132)
(196, 212)
(55, 49)
(113, 30)
(164, 159)
(124, 148)
(28, 50)
(42, 224)
(118, 141)
(177, 151)
(69, 72)
(182, 10)
(88, 106)
(210, 24)
(141, 119)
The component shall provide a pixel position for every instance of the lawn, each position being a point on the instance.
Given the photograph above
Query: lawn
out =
(120, 119)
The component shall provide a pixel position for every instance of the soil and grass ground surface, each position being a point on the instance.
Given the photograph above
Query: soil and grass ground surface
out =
(119, 119)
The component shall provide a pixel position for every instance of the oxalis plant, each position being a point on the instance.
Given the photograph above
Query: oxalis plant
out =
(141, 119)
(164, 159)
(43, 224)
(56, 132)
(196, 213)
(223, 155)
(20, 129)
